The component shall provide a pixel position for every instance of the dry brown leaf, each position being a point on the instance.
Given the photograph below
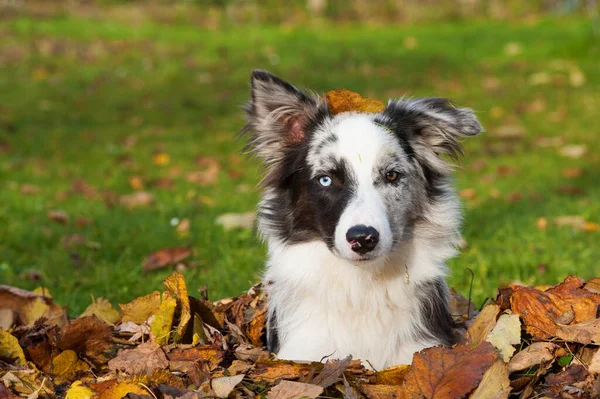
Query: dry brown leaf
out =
(140, 309)
(573, 151)
(271, 371)
(483, 324)
(495, 383)
(294, 390)
(58, 216)
(28, 382)
(212, 355)
(534, 354)
(442, 372)
(87, 335)
(102, 309)
(145, 358)
(332, 372)
(165, 257)
(584, 333)
(140, 198)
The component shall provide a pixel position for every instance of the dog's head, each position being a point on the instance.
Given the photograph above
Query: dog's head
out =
(360, 182)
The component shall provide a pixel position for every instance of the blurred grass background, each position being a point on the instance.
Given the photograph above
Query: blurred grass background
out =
(100, 100)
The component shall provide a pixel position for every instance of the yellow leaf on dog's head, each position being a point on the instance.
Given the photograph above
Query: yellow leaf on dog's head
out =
(346, 101)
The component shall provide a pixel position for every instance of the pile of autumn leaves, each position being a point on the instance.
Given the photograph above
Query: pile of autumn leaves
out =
(530, 342)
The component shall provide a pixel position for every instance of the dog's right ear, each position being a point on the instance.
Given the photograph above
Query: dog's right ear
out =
(278, 115)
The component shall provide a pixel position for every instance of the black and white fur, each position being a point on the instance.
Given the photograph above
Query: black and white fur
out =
(326, 174)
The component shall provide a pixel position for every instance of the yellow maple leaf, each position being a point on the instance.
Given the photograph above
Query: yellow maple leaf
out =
(104, 310)
(140, 309)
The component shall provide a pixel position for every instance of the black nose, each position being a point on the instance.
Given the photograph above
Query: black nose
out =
(362, 238)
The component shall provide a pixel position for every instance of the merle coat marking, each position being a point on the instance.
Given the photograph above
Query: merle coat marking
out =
(377, 291)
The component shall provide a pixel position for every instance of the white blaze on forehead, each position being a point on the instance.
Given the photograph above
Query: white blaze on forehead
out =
(363, 146)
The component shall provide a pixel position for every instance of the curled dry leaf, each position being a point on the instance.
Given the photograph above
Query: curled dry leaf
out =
(223, 386)
(534, 354)
(294, 390)
(165, 257)
(332, 372)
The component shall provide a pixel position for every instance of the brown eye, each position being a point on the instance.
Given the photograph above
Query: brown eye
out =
(391, 176)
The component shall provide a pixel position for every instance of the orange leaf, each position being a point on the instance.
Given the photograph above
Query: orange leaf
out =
(442, 372)
(346, 101)
(165, 257)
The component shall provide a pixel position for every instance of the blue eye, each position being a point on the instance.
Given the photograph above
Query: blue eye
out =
(325, 181)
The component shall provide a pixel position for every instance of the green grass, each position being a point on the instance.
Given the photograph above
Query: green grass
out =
(72, 90)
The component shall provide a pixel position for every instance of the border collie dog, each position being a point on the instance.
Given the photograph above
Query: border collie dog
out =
(359, 217)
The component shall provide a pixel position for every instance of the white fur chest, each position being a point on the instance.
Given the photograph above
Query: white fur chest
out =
(325, 306)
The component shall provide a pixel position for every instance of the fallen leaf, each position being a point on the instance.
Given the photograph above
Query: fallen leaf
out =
(86, 335)
(483, 324)
(584, 333)
(333, 371)
(505, 334)
(161, 159)
(535, 354)
(394, 375)
(294, 390)
(577, 222)
(10, 350)
(468, 193)
(513, 48)
(140, 309)
(223, 386)
(30, 306)
(175, 283)
(574, 151)
(183, 228)
(136, 183)
(7, 319)
(144, 359)
(67, 365)
(208, 176)
(165, 257)
(509, 132)
(590, 227)
(441, 372)
(576, 77)
(495, 383)
(29, 189)
(104, 310)
(28, 382)
(141, 198)
(78, 390)
(162, 321)
(58, 216)
(572, 173)
(121, 389)
(541, 223)
(231, 221)
(381, 391)
(271, 371)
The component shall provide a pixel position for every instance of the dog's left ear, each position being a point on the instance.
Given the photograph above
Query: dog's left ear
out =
(278, 114)
(433, 126)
